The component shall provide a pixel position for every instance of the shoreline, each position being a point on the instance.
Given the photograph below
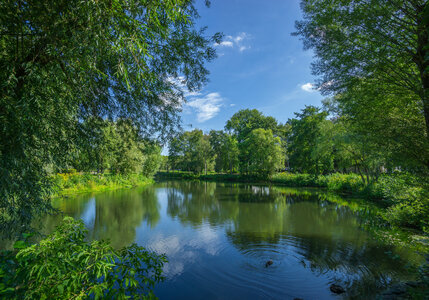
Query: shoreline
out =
(69, 184)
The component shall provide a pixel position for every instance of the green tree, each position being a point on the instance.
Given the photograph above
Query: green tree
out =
(242, 123)
(153, 159)
(230, 154)
(246, 120)
(191, 151)
(225, 147)
(264, 152)
(306, 152)
(129, 151)
(65, 61)
(379, 48)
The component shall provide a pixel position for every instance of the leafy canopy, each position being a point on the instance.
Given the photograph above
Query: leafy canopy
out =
(65, 61)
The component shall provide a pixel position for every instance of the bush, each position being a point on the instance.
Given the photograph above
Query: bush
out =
(66, 183)
(296, 179)
(350, 183)
(408, 199)
(65, 266)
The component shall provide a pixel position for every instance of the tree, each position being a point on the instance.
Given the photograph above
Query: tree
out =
(66, 61)
(357, 152)
(217, 140)
(129, 154)
(264, 152)
(373, 46)
(191, 151)
(230, 153)
(246, 120)
(152, 158)
(225, 147)
(242, 123)
(306, 154)
(388, 121)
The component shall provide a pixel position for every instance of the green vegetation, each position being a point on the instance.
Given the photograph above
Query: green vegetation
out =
(97, 86)
(94, 86)
(402, 198)
(318, 152)
(72, 183)
(66, 266)
(73, 70)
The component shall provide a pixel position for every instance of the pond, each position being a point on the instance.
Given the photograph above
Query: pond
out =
(219, 236)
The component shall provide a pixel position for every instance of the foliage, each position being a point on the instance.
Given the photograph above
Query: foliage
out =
(152, 160)
(192, 151)
(408, 199)
(67, 61)
(244, 121)
(70, 183)
(225, 146)
(65, 266)
(373, 56)
(264, 153)
(310, 150)
(404, 196)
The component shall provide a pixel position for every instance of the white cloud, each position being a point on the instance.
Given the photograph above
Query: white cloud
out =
(226, 44)
(308, 87)
(237, 41)
(207, 107)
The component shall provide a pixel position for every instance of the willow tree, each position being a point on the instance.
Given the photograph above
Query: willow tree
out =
(63, 61)
(372, 45)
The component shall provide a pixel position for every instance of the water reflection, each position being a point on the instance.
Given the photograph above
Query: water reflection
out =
(112, 215)
(218, 236)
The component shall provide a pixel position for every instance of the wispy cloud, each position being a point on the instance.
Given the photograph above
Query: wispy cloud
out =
(226, 44)
(206, 107)
(238, 41)
(308, 87)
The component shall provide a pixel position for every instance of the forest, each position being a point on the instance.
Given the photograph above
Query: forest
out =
(91, 92)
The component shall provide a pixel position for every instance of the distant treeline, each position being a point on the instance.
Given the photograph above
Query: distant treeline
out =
(113, 146)
(314, 142)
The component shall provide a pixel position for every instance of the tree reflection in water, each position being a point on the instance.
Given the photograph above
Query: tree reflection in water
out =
(209, 226)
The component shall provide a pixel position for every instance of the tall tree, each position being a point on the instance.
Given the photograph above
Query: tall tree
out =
(62, 61)
(383, 44)
(191, 151)
(225, 147)
(264, 152)
(246, 120)
(305, 153)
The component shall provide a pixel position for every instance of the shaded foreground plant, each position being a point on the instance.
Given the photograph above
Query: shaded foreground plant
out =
(65, 266)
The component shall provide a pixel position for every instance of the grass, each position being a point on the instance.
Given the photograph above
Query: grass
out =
(75, 183)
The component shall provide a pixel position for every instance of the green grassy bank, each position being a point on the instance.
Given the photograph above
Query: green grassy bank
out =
(74, 183)
(403, 198)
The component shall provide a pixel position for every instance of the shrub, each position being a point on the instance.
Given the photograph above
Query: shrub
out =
(65, 266)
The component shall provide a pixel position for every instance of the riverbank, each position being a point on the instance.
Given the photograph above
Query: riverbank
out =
(75, 183)
(403, 198)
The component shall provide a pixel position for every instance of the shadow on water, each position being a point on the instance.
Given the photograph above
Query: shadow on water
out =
(218, 237)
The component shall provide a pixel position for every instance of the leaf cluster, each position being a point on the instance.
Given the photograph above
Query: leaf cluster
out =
(65, 266)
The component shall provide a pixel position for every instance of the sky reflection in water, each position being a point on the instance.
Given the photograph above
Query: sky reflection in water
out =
(218, 236)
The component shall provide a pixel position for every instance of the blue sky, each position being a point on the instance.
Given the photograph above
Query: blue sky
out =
(260, 64)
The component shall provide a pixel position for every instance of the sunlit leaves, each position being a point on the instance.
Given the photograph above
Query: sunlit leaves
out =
(65, 266)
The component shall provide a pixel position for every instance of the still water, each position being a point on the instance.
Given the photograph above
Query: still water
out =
(218, 237)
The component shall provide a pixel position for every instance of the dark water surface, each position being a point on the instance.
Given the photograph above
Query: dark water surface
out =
(218, 236)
